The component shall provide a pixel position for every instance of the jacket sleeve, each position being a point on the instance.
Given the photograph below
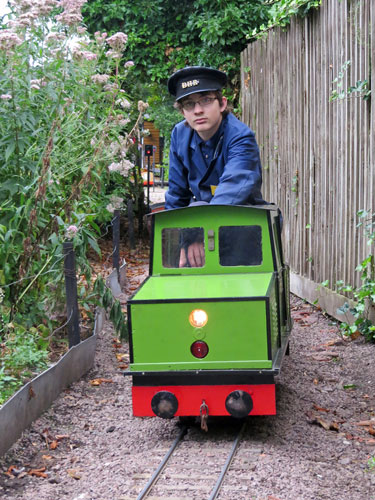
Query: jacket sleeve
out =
(178, 194)
(241, 180)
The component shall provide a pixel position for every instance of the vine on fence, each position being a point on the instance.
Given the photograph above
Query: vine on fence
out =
(361, 88)
(364, 295)
(281, 13)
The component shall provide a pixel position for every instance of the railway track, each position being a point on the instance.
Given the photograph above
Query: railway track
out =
(195, 466)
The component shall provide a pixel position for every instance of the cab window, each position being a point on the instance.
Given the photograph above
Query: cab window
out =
(176, 240)
(240, 245)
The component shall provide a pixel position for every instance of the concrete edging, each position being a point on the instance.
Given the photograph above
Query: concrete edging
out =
(36, 396)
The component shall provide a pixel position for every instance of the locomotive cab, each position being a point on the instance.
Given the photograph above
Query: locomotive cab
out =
(210, 335)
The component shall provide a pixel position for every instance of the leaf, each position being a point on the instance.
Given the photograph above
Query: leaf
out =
(9, 150)
(349, 387)
(38, 472)
(354, 335)
(365, 423)
(100, 381)
(53, 445)
(319, 408)
(328, 426)
(74, 473)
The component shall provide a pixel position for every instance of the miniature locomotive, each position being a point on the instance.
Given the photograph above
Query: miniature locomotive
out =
(210, 339)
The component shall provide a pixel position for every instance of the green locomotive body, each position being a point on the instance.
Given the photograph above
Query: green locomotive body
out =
(211, 336)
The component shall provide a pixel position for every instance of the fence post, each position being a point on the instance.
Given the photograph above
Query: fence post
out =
(116, 240)
(71, 294)
(131, 225)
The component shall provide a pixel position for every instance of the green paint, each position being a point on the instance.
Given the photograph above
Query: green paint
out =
(235, 331)
(212, 286)
(211, 218)
(241, 302)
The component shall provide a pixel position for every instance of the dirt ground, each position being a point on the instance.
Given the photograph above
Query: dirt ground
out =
(88, 446)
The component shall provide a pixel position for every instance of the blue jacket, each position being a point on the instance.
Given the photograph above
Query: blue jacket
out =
(233, 174)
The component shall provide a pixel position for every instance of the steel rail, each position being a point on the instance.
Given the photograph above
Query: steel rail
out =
(226, 466)
(163, 463)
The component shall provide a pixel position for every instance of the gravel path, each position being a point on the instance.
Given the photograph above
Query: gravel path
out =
(89, 447)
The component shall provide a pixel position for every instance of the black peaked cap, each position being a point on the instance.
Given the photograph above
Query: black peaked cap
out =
(193, 79)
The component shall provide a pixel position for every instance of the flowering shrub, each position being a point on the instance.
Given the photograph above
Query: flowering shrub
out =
(66, 124)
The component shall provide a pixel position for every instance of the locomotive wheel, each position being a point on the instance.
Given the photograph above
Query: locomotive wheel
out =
(239, 404)
(164, 404)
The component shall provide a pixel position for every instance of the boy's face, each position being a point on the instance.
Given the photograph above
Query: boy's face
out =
(202, 112)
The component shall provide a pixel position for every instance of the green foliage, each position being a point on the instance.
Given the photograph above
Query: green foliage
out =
(22, 354)
(281, 13)
(360, 89)
(364, 296)
(165, 35)
(112, 306)
(67, 153)
(371, 463)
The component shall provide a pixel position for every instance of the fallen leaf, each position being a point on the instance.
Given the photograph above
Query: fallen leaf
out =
(123, 367)
(31, 393)
(355, 335)
(120, 357)
(9, 472)
(46, 457)
(321, 358)
(328, 426)
(315, 381)
(371, 430)
(53, 445)
(365, 423)
(38, 472)
(99, 381)
(59, 437)
(74, 473)
(319, 408)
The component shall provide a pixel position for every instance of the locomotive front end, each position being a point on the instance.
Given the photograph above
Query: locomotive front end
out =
(208, 338)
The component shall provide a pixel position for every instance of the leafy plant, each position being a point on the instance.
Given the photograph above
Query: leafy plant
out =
(364, 295)
(22, 354)
(360, 89)
(280, 14)
(68, 144)
(371, 463)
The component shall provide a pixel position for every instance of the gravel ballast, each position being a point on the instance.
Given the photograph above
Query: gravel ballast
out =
(88, 446)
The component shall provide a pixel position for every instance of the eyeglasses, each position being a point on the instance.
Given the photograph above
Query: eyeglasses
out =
(203, 102)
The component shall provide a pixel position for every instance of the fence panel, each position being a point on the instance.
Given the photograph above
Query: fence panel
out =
(318, 156)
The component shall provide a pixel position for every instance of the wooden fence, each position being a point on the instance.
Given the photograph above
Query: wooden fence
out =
(318, 156)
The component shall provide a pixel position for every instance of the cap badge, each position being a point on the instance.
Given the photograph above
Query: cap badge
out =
(190, 83)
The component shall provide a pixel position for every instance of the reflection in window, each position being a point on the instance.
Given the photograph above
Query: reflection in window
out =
(240, 245)
(176, 241)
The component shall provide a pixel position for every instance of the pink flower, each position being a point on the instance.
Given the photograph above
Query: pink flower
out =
(71, 232)
(118, 41)
(9, 40)
(100, 79)
(5, 96)
(129, 64)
